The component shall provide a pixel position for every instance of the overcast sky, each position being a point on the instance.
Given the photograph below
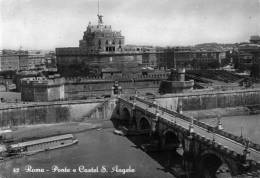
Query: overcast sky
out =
(46, 24)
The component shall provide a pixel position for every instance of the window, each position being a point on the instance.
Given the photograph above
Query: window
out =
(120, 43)
(99, 43)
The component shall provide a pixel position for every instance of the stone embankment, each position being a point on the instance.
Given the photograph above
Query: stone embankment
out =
(15, 114)
(88, 118)
(25, 133)
(211, 99)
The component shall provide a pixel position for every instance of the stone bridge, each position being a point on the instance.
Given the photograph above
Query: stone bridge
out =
(206, 149)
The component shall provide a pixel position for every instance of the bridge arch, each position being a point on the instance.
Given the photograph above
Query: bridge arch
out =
(211, 164)
(144, 124)
(125, 114)
(170, 139)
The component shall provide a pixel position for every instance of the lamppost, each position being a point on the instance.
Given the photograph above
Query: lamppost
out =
(179, 107)
(133, 85)
(133, 114)
(213, 135)
(219, 124)
(119, 90)
(154, 103)
(155, 123)
(246, 151)
(157, 115)
(191, 126)
(241, 132)
(116, 88)
(136, 93)
(113, 91)
(134, 104)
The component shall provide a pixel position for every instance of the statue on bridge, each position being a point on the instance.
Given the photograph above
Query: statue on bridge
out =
(116, 88)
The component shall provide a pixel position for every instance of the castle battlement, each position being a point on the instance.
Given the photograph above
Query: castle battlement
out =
(42, 88)
(124, 78)
(42, 82)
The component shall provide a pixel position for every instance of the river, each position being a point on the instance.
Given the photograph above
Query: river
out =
(95, 149)
(247, 125)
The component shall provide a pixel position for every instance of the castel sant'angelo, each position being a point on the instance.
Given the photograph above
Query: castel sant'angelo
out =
(101, 47)
(101, 38)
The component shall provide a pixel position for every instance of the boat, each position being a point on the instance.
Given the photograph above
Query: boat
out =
(2, 131)
(44, 144)
(119, 132)
(2, 151)
(134, 132)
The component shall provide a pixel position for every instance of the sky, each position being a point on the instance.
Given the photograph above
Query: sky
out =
(47, 24)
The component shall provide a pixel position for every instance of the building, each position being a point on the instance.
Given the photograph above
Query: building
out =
(249, 56)
(171, 57)
(164, 58)
(97, 39)
(27, 62)
(255, 39)
(9, 62)
(101, 47)
(38, 89)
(249, 53)
(21, 60)
(101, 38)
(50, 61)
(207, 56)
(183, 55)
(10, 52)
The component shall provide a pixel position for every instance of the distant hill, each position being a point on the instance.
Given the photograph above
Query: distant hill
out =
(215, 46)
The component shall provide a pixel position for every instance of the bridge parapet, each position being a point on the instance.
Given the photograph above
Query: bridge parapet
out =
(204, 125)
(205, 141)
(198, 146)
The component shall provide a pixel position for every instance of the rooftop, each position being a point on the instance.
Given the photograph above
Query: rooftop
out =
(255, 38)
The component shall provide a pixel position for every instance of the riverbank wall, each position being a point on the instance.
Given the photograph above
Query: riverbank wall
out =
(102, 111)
(211, 99)
(44, 113)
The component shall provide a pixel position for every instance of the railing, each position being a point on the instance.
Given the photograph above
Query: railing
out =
(203, 125)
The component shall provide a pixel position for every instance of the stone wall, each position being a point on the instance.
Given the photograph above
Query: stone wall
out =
(122, 62)
(46, 113)
(103, 111)
(42, 89)
(210, 100)
(84, 88)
